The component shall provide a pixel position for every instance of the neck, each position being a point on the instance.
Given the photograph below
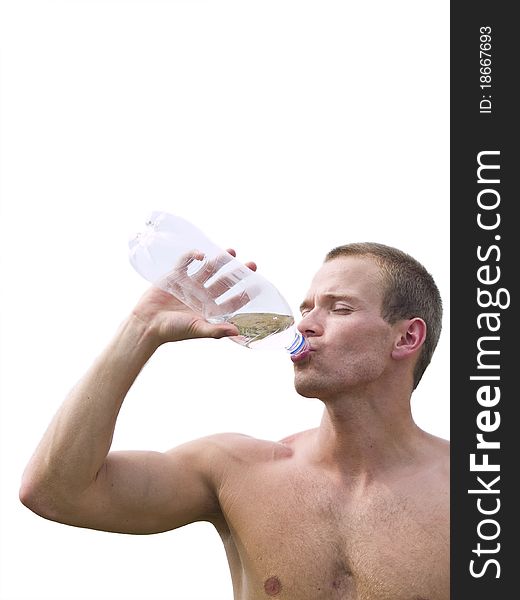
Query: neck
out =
(362, 435)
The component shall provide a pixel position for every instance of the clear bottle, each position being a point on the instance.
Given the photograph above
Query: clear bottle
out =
(177, 257)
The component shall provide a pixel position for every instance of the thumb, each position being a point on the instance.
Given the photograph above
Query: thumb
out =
(210, 330)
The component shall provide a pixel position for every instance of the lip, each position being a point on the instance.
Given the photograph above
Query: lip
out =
(302, 355)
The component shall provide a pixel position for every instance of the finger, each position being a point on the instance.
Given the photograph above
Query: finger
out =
(175, 278)
(239, 300)
(186, 259)
(173, 281)
(204, 329)
(226, 282)
(251, 265)
(225, 330)
(211, 268)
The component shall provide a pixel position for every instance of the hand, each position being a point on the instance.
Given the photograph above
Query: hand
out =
(169, 319)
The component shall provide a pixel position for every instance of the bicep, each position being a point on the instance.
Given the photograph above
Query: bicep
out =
(149, 492)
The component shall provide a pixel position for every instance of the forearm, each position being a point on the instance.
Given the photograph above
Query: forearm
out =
(76, 443)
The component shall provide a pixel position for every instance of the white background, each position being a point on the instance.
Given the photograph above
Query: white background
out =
(281, 129)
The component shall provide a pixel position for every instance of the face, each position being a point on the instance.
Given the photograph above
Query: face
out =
(350, 342)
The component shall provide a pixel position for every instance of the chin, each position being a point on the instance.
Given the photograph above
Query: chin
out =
(307, 393)
(309, 389)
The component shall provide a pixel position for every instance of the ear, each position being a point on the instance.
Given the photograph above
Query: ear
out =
(409, 339)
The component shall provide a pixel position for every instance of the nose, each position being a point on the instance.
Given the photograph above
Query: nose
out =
(310, 325)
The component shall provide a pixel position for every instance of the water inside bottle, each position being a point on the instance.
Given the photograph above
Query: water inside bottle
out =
(256, 327)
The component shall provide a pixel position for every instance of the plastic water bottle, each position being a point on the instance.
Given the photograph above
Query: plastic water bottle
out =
(177, 257)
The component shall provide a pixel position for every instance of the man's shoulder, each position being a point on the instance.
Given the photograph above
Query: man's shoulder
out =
(239, 445)
(247, 450)
(440, 453)
(432, 468)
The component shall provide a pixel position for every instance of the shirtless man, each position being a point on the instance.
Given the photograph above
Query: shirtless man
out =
(356, 509)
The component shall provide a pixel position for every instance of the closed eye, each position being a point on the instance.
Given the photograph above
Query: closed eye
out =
(341, 309)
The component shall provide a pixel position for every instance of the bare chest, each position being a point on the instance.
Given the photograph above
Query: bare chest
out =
(298, 537)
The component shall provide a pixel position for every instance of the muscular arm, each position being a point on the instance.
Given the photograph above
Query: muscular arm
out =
(72, 477)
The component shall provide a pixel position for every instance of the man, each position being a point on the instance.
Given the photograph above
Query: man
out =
(356, 509)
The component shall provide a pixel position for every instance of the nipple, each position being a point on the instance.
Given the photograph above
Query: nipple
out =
(272, 586)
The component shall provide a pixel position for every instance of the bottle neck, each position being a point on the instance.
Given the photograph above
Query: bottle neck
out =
(298, 345)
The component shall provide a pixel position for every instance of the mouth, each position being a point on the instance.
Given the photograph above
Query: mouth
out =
(297, 358)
